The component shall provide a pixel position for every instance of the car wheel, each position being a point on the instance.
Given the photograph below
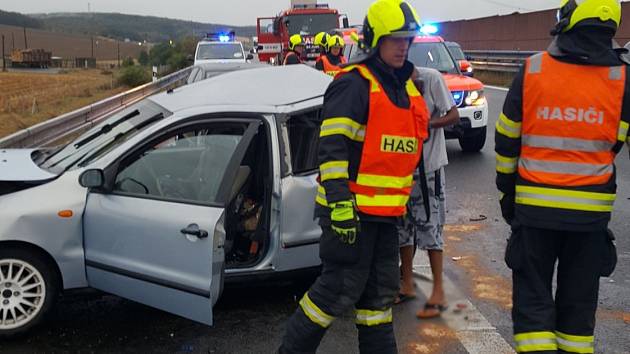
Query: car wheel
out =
(474, 140)
(28, 290)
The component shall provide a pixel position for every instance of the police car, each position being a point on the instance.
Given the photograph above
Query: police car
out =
(221, 48)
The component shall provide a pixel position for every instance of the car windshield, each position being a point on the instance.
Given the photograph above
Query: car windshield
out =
(432, 55)
(311, 24)
(102, 138)
(209, 51)
(456, 52)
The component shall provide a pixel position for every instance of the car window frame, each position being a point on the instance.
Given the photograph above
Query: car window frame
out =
(113, 169)
(286, 160)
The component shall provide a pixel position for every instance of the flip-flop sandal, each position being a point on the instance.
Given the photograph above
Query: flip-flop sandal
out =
(403, 297)
(427, 307)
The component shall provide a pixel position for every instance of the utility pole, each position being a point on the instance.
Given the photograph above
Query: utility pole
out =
(4, 59)
(25, 41)
(118, 54)
(12, 41)
(92, 41)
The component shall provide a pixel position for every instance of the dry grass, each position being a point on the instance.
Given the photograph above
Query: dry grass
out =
(30, 98)
(503, 79)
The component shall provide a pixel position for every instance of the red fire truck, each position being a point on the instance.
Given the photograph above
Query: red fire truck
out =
(305, 17)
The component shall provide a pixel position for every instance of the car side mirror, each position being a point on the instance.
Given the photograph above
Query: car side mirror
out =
(466, 68)
(346, 22)
(250, 56)
(92, 179)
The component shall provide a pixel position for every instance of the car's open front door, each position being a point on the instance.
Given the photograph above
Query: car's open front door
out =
(157, 238)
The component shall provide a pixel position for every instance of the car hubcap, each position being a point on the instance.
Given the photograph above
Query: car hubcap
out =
(22, 293)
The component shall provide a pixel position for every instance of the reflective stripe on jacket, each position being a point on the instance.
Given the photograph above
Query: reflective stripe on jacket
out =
(391, 149)
(571, 124)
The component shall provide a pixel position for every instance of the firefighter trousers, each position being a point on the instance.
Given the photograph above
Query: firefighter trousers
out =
(565, 324)
(370, 285)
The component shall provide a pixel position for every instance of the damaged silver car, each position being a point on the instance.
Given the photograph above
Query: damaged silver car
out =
(168, 199)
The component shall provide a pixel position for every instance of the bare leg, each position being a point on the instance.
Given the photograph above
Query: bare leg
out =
(406, 260)
(437, 260)
(437, 301)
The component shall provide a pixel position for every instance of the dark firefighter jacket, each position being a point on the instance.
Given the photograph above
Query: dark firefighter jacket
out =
(348, 96)
(583, 46)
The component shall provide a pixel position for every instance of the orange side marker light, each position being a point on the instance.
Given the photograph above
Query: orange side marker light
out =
(65, 214)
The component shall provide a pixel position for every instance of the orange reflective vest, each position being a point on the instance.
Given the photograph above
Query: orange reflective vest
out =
(330, 68)
(391, 150)
(571, 123)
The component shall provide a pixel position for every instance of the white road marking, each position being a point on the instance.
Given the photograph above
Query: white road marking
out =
(472, 329)
(497, 88)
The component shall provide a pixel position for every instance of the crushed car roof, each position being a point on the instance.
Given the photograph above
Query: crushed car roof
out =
(272, 86)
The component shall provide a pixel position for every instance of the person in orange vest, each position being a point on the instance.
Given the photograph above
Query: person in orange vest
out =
(296, 48)
(330, 62)
(565, 119)
(374, 123)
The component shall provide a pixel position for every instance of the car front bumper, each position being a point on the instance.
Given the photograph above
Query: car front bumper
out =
(470, 117)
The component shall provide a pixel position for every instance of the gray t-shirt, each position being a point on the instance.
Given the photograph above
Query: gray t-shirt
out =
(439, 100)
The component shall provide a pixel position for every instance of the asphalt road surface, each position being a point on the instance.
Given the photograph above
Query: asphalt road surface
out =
(251, 318)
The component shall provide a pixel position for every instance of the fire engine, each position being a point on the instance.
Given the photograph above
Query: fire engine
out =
(305, 17)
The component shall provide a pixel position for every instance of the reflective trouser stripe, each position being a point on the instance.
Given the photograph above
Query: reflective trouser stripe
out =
(377, 181)
(343, 126)
(506, 165)
(373, 318)
(622, 135)
(535, 341)
(565, 199)
(508, 127)
(565, 168)
(334, 170)
(576, 344)
(382, 200)
(566, 144)
(314, 313)
(321, 196)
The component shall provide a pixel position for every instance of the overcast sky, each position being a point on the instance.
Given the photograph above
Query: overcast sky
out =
(244, 12)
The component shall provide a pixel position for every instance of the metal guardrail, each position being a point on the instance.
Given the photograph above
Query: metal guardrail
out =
(498, 60)
(65, 125)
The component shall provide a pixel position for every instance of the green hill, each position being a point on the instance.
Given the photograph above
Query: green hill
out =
(17, 19)
(133, 27)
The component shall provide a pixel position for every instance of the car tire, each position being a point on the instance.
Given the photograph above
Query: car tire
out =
(29, 287)
(473, 140)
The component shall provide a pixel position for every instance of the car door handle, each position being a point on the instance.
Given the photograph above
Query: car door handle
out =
(194, 230)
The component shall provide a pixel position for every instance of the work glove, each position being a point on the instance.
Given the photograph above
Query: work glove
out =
(344, 221)
(507, 207)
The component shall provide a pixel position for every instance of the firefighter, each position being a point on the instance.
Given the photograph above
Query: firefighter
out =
(374, 123)
(331, 61)
(321, 40)
(565, 119)
(296, 49)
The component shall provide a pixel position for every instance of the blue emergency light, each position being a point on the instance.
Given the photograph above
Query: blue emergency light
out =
(221, 36)
(429, 29)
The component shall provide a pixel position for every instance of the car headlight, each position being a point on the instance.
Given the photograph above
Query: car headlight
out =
(470, 69)
(475, 98)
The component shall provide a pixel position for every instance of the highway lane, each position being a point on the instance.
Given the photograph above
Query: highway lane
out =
(471, 193)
